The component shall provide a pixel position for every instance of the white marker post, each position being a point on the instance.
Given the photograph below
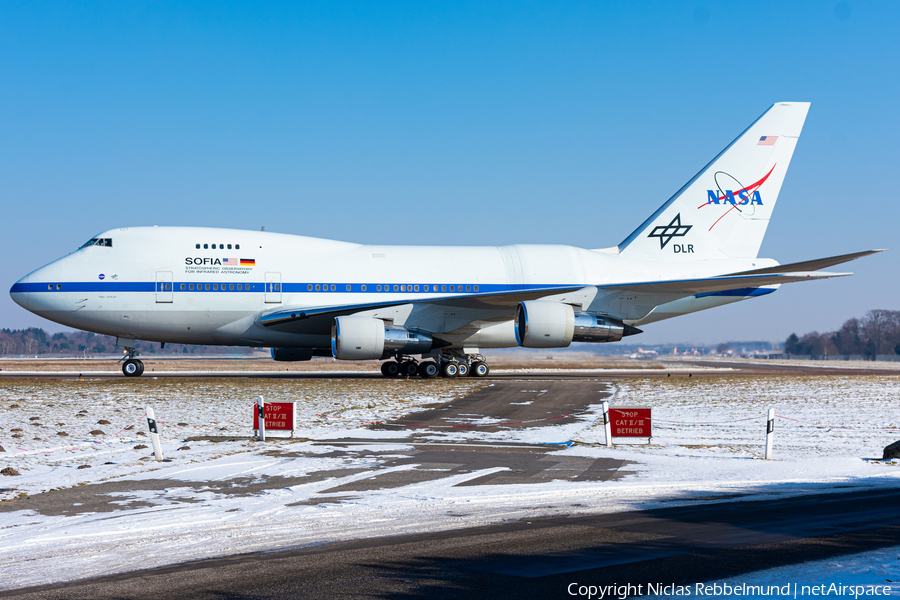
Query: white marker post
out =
(606, 424)
(770, 433)
(261, 411)
(154, 434)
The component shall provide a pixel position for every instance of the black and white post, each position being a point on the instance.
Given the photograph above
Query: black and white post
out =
(606, 424)
(154, 434)
(770, 433)
(261, 411)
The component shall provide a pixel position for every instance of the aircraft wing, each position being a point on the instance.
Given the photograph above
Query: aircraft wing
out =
(310, 319)
(499, 306)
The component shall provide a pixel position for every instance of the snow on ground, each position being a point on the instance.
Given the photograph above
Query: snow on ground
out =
(46, 425)
(708, 433)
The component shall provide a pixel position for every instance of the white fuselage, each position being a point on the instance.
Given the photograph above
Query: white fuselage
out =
(211, 286)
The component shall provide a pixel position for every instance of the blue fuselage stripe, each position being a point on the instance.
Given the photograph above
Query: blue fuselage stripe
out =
(288, 288)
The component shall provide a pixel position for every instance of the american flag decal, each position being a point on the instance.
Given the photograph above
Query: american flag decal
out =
(767, 140)
(231, 262)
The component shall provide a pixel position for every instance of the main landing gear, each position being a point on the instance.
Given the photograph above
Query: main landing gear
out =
(447, 364)
(131, 366)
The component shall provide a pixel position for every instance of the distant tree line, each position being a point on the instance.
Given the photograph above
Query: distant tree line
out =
(34, 341)
(876, 333)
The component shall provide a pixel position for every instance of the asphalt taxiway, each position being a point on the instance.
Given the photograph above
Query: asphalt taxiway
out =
(538, 558)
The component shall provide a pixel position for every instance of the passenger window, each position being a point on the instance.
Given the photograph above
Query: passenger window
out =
(206, 287)
(168, 287)
(402, 288)
(191, 287)
(378, 288)
(182, 287)
(452, 288)
(277, 287)
(396, 288)
(205, 246)
(425, 288)
(363, 287)
(348, 287)
(238, 287)
(229, 246)
(237, 246)
(333, 287)
(468, 288)
(50, 286)
(221, 246)
(198, 246)
(309, 287)
(443, 288)
(216, 287)
(416, 288)
(476, 288)
(317, 287)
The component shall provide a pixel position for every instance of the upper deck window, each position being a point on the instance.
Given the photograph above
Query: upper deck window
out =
(98, 242)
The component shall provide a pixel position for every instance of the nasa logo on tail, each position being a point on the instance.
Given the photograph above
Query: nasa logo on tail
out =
(748, 197)
(665, 233)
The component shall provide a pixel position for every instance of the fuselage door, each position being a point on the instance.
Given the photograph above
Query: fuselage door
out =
(273, 287)
(164, 286)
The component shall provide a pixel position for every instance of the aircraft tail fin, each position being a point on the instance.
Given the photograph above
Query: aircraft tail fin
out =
(723, 211)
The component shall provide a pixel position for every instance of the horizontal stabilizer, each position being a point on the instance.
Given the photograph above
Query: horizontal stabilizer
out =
(810, 265)
(688, 287)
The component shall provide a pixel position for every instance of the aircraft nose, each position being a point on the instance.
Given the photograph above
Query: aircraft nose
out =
(19, 292)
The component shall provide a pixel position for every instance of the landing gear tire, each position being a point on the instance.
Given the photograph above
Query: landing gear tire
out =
(409, 369)
(463, 369)
(450, 369)
(480, 369)
(390, 369)
(132, 368)
(428, 370)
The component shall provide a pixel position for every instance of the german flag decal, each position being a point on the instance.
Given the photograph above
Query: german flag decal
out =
(248, 262)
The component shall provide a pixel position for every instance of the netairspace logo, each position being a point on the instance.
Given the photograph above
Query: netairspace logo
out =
(725, 590)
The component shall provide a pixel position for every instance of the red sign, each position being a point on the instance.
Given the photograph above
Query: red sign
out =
(630, 421)
(279, 415)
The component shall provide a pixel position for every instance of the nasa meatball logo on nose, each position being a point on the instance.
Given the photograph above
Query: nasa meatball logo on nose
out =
(101, 276)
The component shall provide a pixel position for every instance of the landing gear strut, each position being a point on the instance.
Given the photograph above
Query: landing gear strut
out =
(448, 364)
(407, 367)
(131, 366)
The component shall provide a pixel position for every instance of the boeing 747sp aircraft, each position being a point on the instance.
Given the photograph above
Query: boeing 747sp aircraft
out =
(305, 297)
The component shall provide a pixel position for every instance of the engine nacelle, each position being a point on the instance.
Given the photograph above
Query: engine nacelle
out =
(591, 327)
(365, 338)
(542, 324)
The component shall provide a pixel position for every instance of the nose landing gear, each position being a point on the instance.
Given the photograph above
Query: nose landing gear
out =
(131, 366)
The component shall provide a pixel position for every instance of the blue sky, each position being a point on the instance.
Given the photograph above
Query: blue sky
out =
(449, 123)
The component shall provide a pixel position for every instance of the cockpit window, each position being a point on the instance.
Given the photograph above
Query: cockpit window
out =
(98, 242)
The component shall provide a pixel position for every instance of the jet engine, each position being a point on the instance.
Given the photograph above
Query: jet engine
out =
(543, 324)
(365, 338)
